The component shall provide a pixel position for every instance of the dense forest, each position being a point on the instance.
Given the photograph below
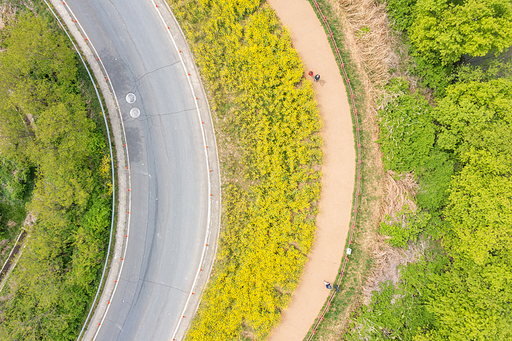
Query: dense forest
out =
(54, 157)
(454, 134)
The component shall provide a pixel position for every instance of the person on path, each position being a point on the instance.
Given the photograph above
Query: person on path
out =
(317, 77)
(310, 73)
(328, 285)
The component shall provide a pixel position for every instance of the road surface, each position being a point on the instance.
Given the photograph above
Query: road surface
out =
(169, 193)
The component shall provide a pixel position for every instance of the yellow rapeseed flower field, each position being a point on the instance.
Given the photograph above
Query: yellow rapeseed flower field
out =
(268, 127)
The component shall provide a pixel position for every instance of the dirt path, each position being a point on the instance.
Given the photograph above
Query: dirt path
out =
(309, 39)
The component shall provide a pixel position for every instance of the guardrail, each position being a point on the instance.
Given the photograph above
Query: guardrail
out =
(112, 166)
(12, 258)
(355, 117)
(211, 232)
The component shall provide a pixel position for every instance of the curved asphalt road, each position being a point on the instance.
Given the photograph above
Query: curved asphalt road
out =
(168, 168)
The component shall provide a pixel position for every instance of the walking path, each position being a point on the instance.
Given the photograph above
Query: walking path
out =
(309, 39)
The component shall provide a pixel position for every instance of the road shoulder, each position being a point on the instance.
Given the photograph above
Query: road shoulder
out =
(123, 174)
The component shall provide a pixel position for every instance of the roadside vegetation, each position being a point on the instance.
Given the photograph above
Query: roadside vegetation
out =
(16, 182)
(463, 290)
(54, 159)
(438, 78)
(267, 126)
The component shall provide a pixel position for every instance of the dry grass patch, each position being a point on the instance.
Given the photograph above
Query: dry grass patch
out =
(378, 55)
(400, 192)
(371, 43)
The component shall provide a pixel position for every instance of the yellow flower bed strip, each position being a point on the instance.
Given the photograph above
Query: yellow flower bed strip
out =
(267, 124)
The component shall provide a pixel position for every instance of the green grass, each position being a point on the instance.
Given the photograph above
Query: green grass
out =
(360, 261)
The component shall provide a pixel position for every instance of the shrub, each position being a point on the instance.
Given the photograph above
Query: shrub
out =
(406, 129)
(434, 179)
(399, 311)
(404, 226)
(402, 11)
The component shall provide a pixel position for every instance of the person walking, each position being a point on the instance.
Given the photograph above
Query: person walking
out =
(317, 77)
(328, 285)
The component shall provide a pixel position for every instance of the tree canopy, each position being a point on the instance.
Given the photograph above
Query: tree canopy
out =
(476, 115)
(444, 31)
(46, 122)
(475, 122)
(471, 301)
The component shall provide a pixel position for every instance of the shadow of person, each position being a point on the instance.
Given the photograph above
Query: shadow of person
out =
(322, 82)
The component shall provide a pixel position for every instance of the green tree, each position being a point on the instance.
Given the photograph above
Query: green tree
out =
(62, 137)
(476, 115)
(37, 69)
(480, 209)
(443, 31)
(472, 302)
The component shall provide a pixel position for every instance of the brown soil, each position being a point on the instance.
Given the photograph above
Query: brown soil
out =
(30, 220)
(6, 12)
(338, 170)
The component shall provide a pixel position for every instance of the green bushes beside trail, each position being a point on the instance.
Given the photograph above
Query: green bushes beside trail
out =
(267, 127)
(466, 297)
(407, 132)
(46, 123)
(459, 148)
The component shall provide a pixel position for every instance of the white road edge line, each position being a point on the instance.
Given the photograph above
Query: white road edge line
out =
(129, 169)
(206, 161)
(205, 247)
(111, 157)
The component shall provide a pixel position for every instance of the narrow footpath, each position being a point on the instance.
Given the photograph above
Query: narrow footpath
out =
(310, 40)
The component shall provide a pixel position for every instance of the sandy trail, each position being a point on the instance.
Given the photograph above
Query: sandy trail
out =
(309, 39)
